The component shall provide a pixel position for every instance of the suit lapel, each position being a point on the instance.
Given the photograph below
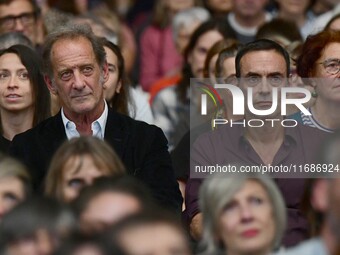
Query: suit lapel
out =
(116, 132)
(53, 134)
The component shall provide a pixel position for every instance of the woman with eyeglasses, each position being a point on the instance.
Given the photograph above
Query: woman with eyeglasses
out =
(319, 63)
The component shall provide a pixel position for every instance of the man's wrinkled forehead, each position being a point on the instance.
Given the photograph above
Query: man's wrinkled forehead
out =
(79, 43)
(71, 53)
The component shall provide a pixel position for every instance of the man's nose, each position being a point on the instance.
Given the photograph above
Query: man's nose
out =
(13, 82)
(265, 87)
(18, 26)
(78, 82)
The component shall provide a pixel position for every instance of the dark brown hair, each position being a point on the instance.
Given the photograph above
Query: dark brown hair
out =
(279, 27)
(312, 50)
(219, 25)
(214, 50)
(41, 96)
(227, 52)
(119, 102)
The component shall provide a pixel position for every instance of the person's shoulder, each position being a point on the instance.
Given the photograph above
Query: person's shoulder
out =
(296, 116)
(167, 91)
(310, 247)
(48, 126)
(310, 138)
(134, 132)
(131, 125)
(47, 133)
(321, 21)
(199, 130)
(219, 136)
(4, 144)
(166, 96)
(163, 84)
(311, 132)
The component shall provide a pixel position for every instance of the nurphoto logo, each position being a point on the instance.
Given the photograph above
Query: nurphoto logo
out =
(279, 98)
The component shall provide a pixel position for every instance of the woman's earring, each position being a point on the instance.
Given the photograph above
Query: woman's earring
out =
(313, 84)
(314, 94)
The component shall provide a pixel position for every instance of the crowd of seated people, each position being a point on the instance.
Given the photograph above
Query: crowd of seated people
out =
(169, 127)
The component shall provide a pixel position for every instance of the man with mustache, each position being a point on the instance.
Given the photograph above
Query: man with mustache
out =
(75, 70)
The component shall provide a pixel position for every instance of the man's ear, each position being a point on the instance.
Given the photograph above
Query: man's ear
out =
(119, 87)
(50, 85)
(105, 71)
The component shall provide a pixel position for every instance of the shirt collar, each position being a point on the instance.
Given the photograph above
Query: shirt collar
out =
(98, 126)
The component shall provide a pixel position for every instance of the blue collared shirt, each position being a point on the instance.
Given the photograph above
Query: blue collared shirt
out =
(98, 126)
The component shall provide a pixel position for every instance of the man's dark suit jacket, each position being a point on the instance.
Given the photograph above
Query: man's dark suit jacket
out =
(141, 147)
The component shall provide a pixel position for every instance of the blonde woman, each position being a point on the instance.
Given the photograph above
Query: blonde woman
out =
(241, 215)
(77, 163)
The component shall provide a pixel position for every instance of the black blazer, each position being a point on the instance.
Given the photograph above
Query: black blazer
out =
(141, 147)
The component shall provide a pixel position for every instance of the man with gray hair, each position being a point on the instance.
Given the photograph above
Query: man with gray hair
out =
(75, 70)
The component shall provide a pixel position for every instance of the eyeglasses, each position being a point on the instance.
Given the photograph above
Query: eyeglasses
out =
(332, 66)
(9, 22)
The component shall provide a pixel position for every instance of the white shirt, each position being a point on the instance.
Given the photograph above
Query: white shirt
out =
(321, 21)
(246, 31)
(98, 126)
(315, 246)
(139, 108)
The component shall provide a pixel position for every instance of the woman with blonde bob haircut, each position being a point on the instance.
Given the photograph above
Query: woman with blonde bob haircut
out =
(243, 214)
(77, 163)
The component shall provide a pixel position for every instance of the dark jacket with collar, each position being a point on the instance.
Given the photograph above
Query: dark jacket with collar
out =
(141, 147)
